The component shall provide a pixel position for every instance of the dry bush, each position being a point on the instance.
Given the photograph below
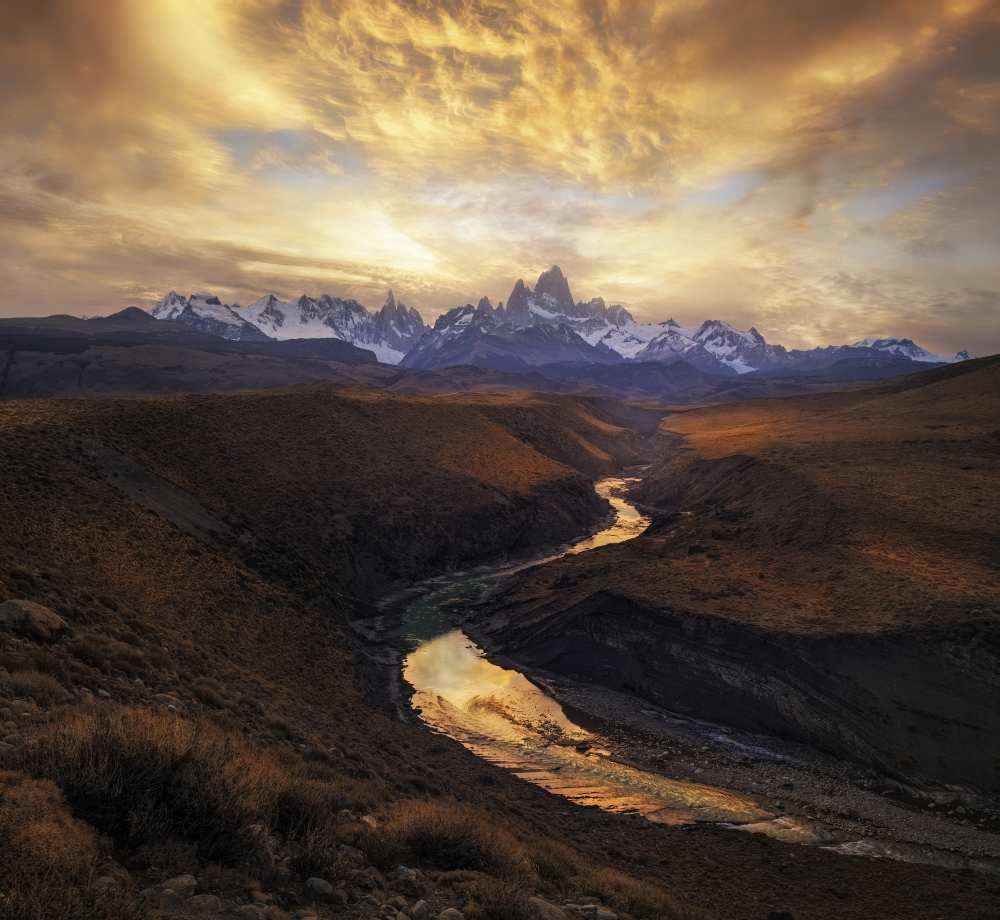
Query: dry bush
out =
(642, 899)
(143, 776)
(47, 868)
(446, 835)
(555, 862)
(314, 849)
(210, 693)
(42, 688)
(501, 900)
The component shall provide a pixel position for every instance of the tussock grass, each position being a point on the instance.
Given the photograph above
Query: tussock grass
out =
(42, 688)
(142, 776)
(501, 900)
(636, 897)
(446, 835)
(49, 858)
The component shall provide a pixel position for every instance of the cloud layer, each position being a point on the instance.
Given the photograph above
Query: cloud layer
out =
(826, 171)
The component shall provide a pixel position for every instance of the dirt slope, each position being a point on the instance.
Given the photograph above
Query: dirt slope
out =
(822, 567)
(193, 544)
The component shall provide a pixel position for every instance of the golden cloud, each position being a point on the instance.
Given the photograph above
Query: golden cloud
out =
(722, 156)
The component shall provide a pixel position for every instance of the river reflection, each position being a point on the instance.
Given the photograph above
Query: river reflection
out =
(506, 719)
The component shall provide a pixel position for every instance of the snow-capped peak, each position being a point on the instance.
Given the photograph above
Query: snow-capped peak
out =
(909, 349)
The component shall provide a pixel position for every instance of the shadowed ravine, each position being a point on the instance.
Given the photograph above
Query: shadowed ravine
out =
(512, 722)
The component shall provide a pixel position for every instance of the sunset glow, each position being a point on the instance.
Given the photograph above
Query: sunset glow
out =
(824, 171)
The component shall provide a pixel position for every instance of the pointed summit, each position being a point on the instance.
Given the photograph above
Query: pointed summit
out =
(517, 303)
(553, 283)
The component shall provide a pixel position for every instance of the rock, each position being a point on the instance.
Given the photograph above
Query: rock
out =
(32, 620)
(105, 883)
(182, 885)
(420, 910)
(449, 913)
(780, 915)
(170, 900)
(545, 910)
(103, 694)
(249, 912)
(409, 881)
(319, 887)
(204, 904)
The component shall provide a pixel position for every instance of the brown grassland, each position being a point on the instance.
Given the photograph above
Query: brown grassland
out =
(207, 553)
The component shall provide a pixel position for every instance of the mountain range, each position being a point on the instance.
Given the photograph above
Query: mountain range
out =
(536, 327)
(389, 332)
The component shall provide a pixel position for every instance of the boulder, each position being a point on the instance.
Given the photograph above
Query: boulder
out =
(319, 887)
(32, 620)
(182, 885)
(250, 912)
(204, 904)
(546, 910)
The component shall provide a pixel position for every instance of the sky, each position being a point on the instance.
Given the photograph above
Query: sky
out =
(824, 170)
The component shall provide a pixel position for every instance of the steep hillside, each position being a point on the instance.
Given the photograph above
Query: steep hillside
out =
(131, 353)
(821, 567)
(199, 550)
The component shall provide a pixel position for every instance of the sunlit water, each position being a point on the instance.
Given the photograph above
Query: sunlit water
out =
(507, 720)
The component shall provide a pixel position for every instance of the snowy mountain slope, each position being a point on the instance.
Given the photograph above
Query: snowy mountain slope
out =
(389, 332)
(537, 325)
(909, 349)
(714, 347)
(206, 313)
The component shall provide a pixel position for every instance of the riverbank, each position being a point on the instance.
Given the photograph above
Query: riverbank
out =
(698, 776)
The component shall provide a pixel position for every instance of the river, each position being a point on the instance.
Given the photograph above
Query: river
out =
(517, 724)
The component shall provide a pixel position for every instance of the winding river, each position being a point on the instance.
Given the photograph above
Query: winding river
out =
(515, 723)
(510, 721)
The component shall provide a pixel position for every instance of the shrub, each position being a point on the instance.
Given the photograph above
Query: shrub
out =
(49, 859)
(143, 776)
(208, 692)
(643, 899)
(42, 688)
(109, 655)
(446, 835)
(554, 862)
(501, 900)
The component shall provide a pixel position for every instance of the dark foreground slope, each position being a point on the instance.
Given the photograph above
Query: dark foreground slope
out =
(197, 560)
(825, 568)
(130, 353)
(199, 550)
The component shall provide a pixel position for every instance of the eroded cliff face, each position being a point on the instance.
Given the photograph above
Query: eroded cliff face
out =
(916, 704)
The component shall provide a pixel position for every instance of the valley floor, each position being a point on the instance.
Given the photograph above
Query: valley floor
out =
(205, 555)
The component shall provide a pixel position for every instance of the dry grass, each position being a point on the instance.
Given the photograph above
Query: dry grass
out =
(501, 900)
(42, 688)
(49, 859)
(446, 835)
(142, 776)
(636, 897)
